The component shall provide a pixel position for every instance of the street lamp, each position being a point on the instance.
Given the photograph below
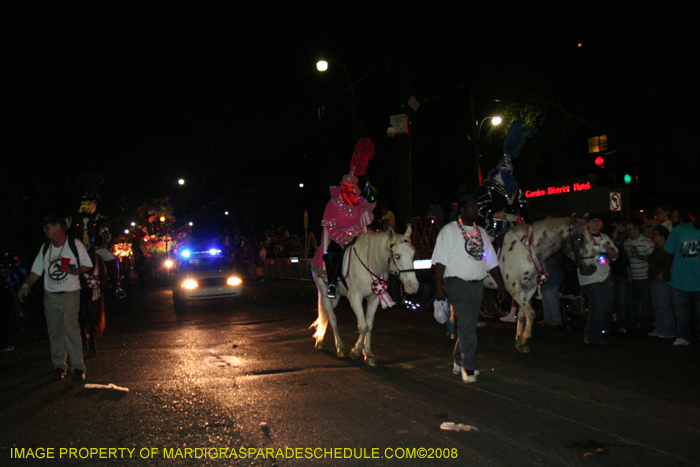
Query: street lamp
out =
(476, 143)
(322, 66)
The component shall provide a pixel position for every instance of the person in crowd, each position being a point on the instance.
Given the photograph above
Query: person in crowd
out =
(638, 249)
(659, 273)
(61, 261)
(681, 216)
(615, 306)
(454, 212)
(462, 257)
(663, 213)
(387, 221)
(596, 287)
(550, 291)
(436, 213)
(684, 244)
(8, 308)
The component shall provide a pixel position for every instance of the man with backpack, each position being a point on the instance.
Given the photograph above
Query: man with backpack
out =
(61, 261)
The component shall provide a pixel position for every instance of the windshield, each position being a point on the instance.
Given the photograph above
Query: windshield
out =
(206, 263)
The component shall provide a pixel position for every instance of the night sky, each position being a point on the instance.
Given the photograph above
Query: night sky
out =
(228, 98)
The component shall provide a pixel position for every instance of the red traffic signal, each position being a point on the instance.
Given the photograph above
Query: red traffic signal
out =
(599, 161)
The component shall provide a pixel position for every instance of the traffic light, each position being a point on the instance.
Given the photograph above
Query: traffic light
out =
(600, 162)
(629, 172)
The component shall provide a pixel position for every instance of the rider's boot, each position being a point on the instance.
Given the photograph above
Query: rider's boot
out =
(331, 261)
(332, 291)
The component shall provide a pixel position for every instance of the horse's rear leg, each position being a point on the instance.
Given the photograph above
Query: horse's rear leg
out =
(326, 316)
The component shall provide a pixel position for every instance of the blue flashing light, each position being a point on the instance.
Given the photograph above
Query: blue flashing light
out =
(214, 252)
(186, 253)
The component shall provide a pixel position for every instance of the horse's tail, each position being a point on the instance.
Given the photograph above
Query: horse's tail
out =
(321, 323)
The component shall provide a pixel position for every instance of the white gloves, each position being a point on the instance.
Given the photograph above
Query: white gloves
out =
(23, 292)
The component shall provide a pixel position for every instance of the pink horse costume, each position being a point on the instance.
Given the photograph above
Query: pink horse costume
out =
(347, 216)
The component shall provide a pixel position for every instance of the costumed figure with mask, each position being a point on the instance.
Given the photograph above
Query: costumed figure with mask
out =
(92, 229)
(346, 216)
(83, 224)
(501, 203)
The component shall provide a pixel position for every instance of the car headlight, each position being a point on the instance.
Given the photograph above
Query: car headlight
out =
(234, 281)
(190, 284)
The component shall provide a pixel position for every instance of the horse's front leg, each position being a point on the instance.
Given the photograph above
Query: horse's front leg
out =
(355, 300)
(524, 324)
(372, 305)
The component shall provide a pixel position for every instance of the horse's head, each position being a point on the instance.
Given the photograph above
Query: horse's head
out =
(401, 259)
(581, 245)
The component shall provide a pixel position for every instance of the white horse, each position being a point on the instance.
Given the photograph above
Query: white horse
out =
(523, 254)
(370, 259)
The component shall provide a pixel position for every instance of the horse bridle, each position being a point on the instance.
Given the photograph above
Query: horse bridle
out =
(571, 227)
(571, 242)
(396, 272)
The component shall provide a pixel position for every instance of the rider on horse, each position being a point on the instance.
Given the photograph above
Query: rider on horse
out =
(347, 216)
(502, 204)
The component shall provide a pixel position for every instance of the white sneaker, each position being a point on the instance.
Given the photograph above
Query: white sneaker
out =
(680, 342)
(457, 369)
(9, 348)
(654, 333)
(509, 319)
(469, 378)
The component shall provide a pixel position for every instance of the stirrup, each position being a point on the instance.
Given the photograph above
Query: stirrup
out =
(331, 292)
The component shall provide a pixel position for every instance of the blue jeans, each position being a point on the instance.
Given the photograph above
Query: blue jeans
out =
(639, 302)
(550, 291)
(663, 309)
(465, 297)
(597, 294)
(616, 304)
(683, 303)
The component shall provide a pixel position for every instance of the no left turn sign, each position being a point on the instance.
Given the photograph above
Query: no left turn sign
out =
(615, 201)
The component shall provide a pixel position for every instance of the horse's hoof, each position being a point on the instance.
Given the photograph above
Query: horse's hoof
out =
(319, 346)
(371, 361)
(353, 356)
(453, 336)
(342, 354)
(523, 348)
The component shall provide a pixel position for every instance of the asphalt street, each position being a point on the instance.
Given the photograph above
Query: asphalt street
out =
(240, 383)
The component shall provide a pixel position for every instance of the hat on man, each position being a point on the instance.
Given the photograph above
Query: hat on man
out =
(595, 216)
(55, 219)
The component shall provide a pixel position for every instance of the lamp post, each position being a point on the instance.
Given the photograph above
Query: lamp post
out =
(322, 66)
(476, 143)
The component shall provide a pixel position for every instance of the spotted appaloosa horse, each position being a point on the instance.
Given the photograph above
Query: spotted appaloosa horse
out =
(523, 254)
(371, 259)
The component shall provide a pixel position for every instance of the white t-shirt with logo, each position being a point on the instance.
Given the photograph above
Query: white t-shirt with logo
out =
(49, 265)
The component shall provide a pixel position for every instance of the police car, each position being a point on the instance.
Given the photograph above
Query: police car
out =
(204, 275)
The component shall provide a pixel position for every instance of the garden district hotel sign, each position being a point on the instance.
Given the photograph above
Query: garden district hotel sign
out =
(564, 197)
